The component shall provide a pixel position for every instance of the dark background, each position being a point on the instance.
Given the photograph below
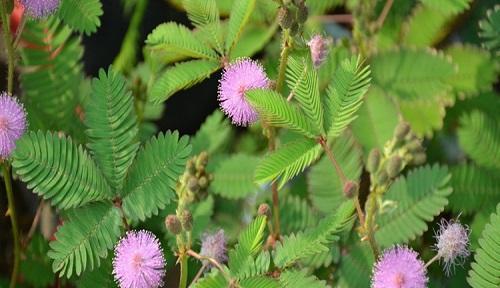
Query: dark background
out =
(186, 110)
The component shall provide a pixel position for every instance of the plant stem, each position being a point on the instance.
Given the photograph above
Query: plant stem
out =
(336, 165)
(184, 270)
(128, 51)
(10, 48)
(432, 260)
(383, 15)
(283, 59)
(211, 260)
(200, 272)
(13, 220)
(34, 224)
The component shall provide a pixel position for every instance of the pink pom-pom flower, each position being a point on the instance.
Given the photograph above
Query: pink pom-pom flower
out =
(318, 46)
(452, 243)
(40, 8)
(12, 123)
(139, 261)
(237, 78)
(214, 246)
(399, 267)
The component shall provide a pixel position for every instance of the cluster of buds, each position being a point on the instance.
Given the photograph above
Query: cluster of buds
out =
(176, 224)
(293, 16)
(196, 179)
(405, 148)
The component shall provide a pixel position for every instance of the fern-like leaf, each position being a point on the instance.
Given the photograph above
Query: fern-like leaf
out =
(112, 126)
(485, 272)
(356, 267)
(479, 136)
(152, 178)
(259, 281)
(301, 245)
(257, 267)
(425, 27)
(249, 244)
(295, 215)
(287, 162)
(277, 111)
(240, 13)
(213, 280)
(205, 14)
(58, 170)
(419, 197)
(448, 6)
(178, 38)
(300, 279)
(302, 79)
(181, 76)
(345, 94)
(86, 236)
(490, 30)
(214, 134)
(233, 178)
(102, 277)
(82, 16)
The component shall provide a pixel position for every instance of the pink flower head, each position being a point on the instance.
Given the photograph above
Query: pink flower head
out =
(237, 78)
(139, 261)
(318, 46)
(40, 8)
(214, 246)
(12, 123)
(399, 267)
(452, 243)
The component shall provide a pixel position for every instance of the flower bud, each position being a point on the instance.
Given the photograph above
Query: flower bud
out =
(401, 131)
(203, 182)
(414, 145)
(192, 184)
(264, 210)
(190, 167)
(285, 18)
(382, 177)
(373, 161)
(318, 47)
(201, 161)
(394, 166)
(186, 219)
(350, 189)
(452, 243)
(173, 224)
(302, 12)
(419, 158)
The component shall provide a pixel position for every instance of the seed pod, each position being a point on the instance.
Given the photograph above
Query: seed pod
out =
(264, 209)
(401, 131)
(285, 18)
(373, 160)
(350, 189)
(173, 224)
(186, 219)
(394, 166)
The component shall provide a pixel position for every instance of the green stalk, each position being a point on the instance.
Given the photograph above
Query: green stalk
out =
(13, 220)
(127, 56)
(10, 49)
(286, 45)
(184, 271)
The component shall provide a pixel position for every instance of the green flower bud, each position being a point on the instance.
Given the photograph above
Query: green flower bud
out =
(419, 158)
(350, 189)
(382, 177)
(394, 166)
(302, 13)
(285, 18)
(414, 145)
(192, 185)
(186, 219)
(401, 131)
(202, 161)
(173, 224)
(373, 161)
(190, 167)
(264, 210)
(203, 182)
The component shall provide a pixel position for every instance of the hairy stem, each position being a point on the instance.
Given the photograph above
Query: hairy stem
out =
(212, 261)
(383, 15)
(285, 46)
(336, 165)
(432, 260)
(10, 49)
(184, 270)
(13, 220)
(200, 272)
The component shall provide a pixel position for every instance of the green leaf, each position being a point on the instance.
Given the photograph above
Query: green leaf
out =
(425, 27)
(324, 185)
(58, 170)
(479, 136)
(485, 272)
(257, 267)
(490, 30)
(213, 135)
(295, 215)
(178, 38)
(345, 94)
(474, 189)
(205, 14)
(233, 178)
(302, 79)
(240, 13)
(253, 39)
(50, 85)
(181, 76)
(288, 161)
(249, 244)
(112, 126)
(377, 119)
(35, 266)
(424, 116)
(356, 266)
(85, 237)
(476, 70)
(213, 280)
(102, 277)
(304, 244)
(82, 16)
(259, 281)
(448, 6)
(419, 197)
(152, 178)
(412, 74)
(300, 279)
(277, 111)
